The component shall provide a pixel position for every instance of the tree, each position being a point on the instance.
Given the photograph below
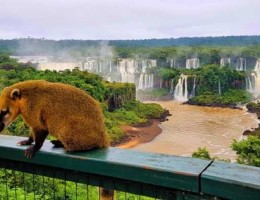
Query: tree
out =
(248, 150)
(201, 153)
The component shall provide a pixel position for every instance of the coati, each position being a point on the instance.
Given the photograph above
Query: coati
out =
(63, 111)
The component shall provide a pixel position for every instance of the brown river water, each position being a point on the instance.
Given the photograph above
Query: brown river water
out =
(191, 127)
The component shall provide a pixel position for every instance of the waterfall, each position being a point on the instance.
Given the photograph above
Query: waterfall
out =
(249, 86)
(253, 81)
(171, 63)
(225, 62)
(145, 81)
(127, 69)
(256, 77)
(241, 64)
(141, 82)
(149, 80)
(174, 63)
(59, 66)
(171, 88)
(161, 82)
(192, 63)
(219, 88)
(100, 67)
(193, 88)
(181, 89)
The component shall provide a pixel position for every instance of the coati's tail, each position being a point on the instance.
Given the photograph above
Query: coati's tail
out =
(106, 194)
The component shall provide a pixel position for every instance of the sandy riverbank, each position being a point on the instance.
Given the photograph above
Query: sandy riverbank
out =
(139, 135)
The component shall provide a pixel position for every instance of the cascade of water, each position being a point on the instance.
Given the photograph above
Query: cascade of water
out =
(145, 81)
(225, 62)
(152, 63)
(192, 63)
(171, 87)
(253, 82)
(256, 78)
(241, 64)
(193, 87)
(127, 70)
(219, 88)
(110, 67)
(181, 89)
(177, 64)
(100, 67)
(141, 82)
(174, 63)
(161, 82)
(151, 83)
(249, 86)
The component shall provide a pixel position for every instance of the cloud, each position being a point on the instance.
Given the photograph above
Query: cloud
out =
(121, 19)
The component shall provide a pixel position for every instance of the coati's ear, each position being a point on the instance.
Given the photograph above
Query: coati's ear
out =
(15, 94)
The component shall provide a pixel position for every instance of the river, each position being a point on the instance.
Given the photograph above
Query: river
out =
(191, 127)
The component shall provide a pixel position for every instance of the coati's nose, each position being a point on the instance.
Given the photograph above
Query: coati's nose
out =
(2, 126)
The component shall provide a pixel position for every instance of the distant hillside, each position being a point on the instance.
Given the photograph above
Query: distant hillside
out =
(31, 46)
(193, 41)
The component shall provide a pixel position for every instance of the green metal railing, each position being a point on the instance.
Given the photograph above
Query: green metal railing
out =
(55, 174)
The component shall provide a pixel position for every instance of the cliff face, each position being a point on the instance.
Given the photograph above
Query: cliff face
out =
(118, 93)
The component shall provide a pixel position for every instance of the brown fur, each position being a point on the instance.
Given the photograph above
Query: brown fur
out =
(67, 113)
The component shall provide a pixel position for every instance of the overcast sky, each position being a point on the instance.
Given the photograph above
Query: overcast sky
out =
(127, 19)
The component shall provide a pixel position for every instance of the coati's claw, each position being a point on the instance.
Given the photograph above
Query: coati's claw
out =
(30, 151)
(24, 142)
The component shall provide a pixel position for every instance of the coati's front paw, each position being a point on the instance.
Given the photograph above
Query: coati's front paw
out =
(24, 142)
(30, 151)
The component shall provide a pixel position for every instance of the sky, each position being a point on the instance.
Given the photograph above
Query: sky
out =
(127, 19)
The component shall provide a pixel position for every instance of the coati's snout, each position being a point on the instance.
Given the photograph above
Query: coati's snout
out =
(2, 126)
(4, 118)
(8, 107)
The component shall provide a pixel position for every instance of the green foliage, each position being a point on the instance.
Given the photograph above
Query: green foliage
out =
(169, 73)
(132, 112)
(18, 127)
(144, 110)
(118, 93)
(229, 99)
(215, 79)
(201, 153)
(254, 107)
(248, 150)
(215, 85)
(6, 62)
(18, 185)
(88, 82)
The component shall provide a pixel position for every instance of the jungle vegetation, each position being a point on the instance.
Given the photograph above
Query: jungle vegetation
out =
(130, 111)
(209, 50)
